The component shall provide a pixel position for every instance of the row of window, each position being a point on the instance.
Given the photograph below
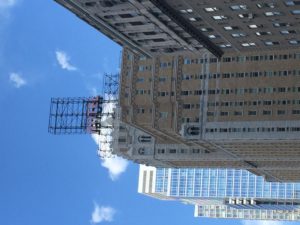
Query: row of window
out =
(225, 91)
(183, 151)
(240, 91)
(253, 58)
(265, 112)
(280, 73)
(249, 16)
(252, 129)
(188, 61)
(249, 103)
(252, 74)
(243, 7)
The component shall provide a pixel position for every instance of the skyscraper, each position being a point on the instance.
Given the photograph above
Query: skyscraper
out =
(223, 193)
(153, 27)
(210, 84)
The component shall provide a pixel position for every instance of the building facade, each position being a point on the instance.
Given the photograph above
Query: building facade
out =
(223, 193)
(165, 26)
(214, 84)
(241, 111)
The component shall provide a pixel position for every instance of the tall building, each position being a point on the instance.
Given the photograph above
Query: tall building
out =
(164, 26)
(241, 112)
(211, 84)
(223, 193)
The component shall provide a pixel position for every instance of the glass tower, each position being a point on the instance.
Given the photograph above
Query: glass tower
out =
(223, 193)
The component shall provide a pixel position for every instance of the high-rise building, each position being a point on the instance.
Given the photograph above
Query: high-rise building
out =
(223, 193)
(211, 84)
(241, 112)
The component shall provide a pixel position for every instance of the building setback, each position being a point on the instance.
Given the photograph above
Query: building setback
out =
(211, 84)
(240, 112)
(223, 193)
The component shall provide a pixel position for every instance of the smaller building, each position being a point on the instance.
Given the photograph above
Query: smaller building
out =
(223, 193)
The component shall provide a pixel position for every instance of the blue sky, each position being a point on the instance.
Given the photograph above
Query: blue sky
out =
(45, 51)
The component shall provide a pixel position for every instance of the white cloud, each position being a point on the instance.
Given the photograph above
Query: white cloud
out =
(102, 213)
(262, 222)
(64, 61)
(115, 165)
(17, 80)
(4, 4)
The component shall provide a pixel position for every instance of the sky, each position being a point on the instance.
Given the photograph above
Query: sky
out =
(46, 51)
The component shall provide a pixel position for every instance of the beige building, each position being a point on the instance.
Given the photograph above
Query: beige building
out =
(242, 112)
(234, 105)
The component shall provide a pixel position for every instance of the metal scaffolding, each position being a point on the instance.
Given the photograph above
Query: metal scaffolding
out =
(111, 101)
(75, 115)
(88, 115)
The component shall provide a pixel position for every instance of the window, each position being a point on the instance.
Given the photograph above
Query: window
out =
(187, 106)
(172, 151)
(162, 79)
(213, 36)
(194, 19)
(275, 13)
(187, 61)
(281, 89)
(143, 139)
(267, 112)
(225, 45)
(160, 151)
(294, 42)
(140, 79)
(184, 92)
(237, 35)
(221, 17)
(163, 115)
(263, 33)
(238, 7)
(284, 32)
(295, 111)
(212, 9)
(254, 26)
(280, 112)
(238, 113)
(281, 24)
(295, 12)
(231, 28)
(252, 113)
(248, 44)
(246, 15)
(186, 11)
(210, 113)
(222, 113)
(122, 140)
(266, 5)
(206, 29)
(270, 43)
(140, 110)
(292, 3)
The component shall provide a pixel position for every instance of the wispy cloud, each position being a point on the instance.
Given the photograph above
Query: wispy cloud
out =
(64, 61)
(5, 4)
(17, 80)
(262, 222)
(102, 213)
(115, 165)
(5, 7)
